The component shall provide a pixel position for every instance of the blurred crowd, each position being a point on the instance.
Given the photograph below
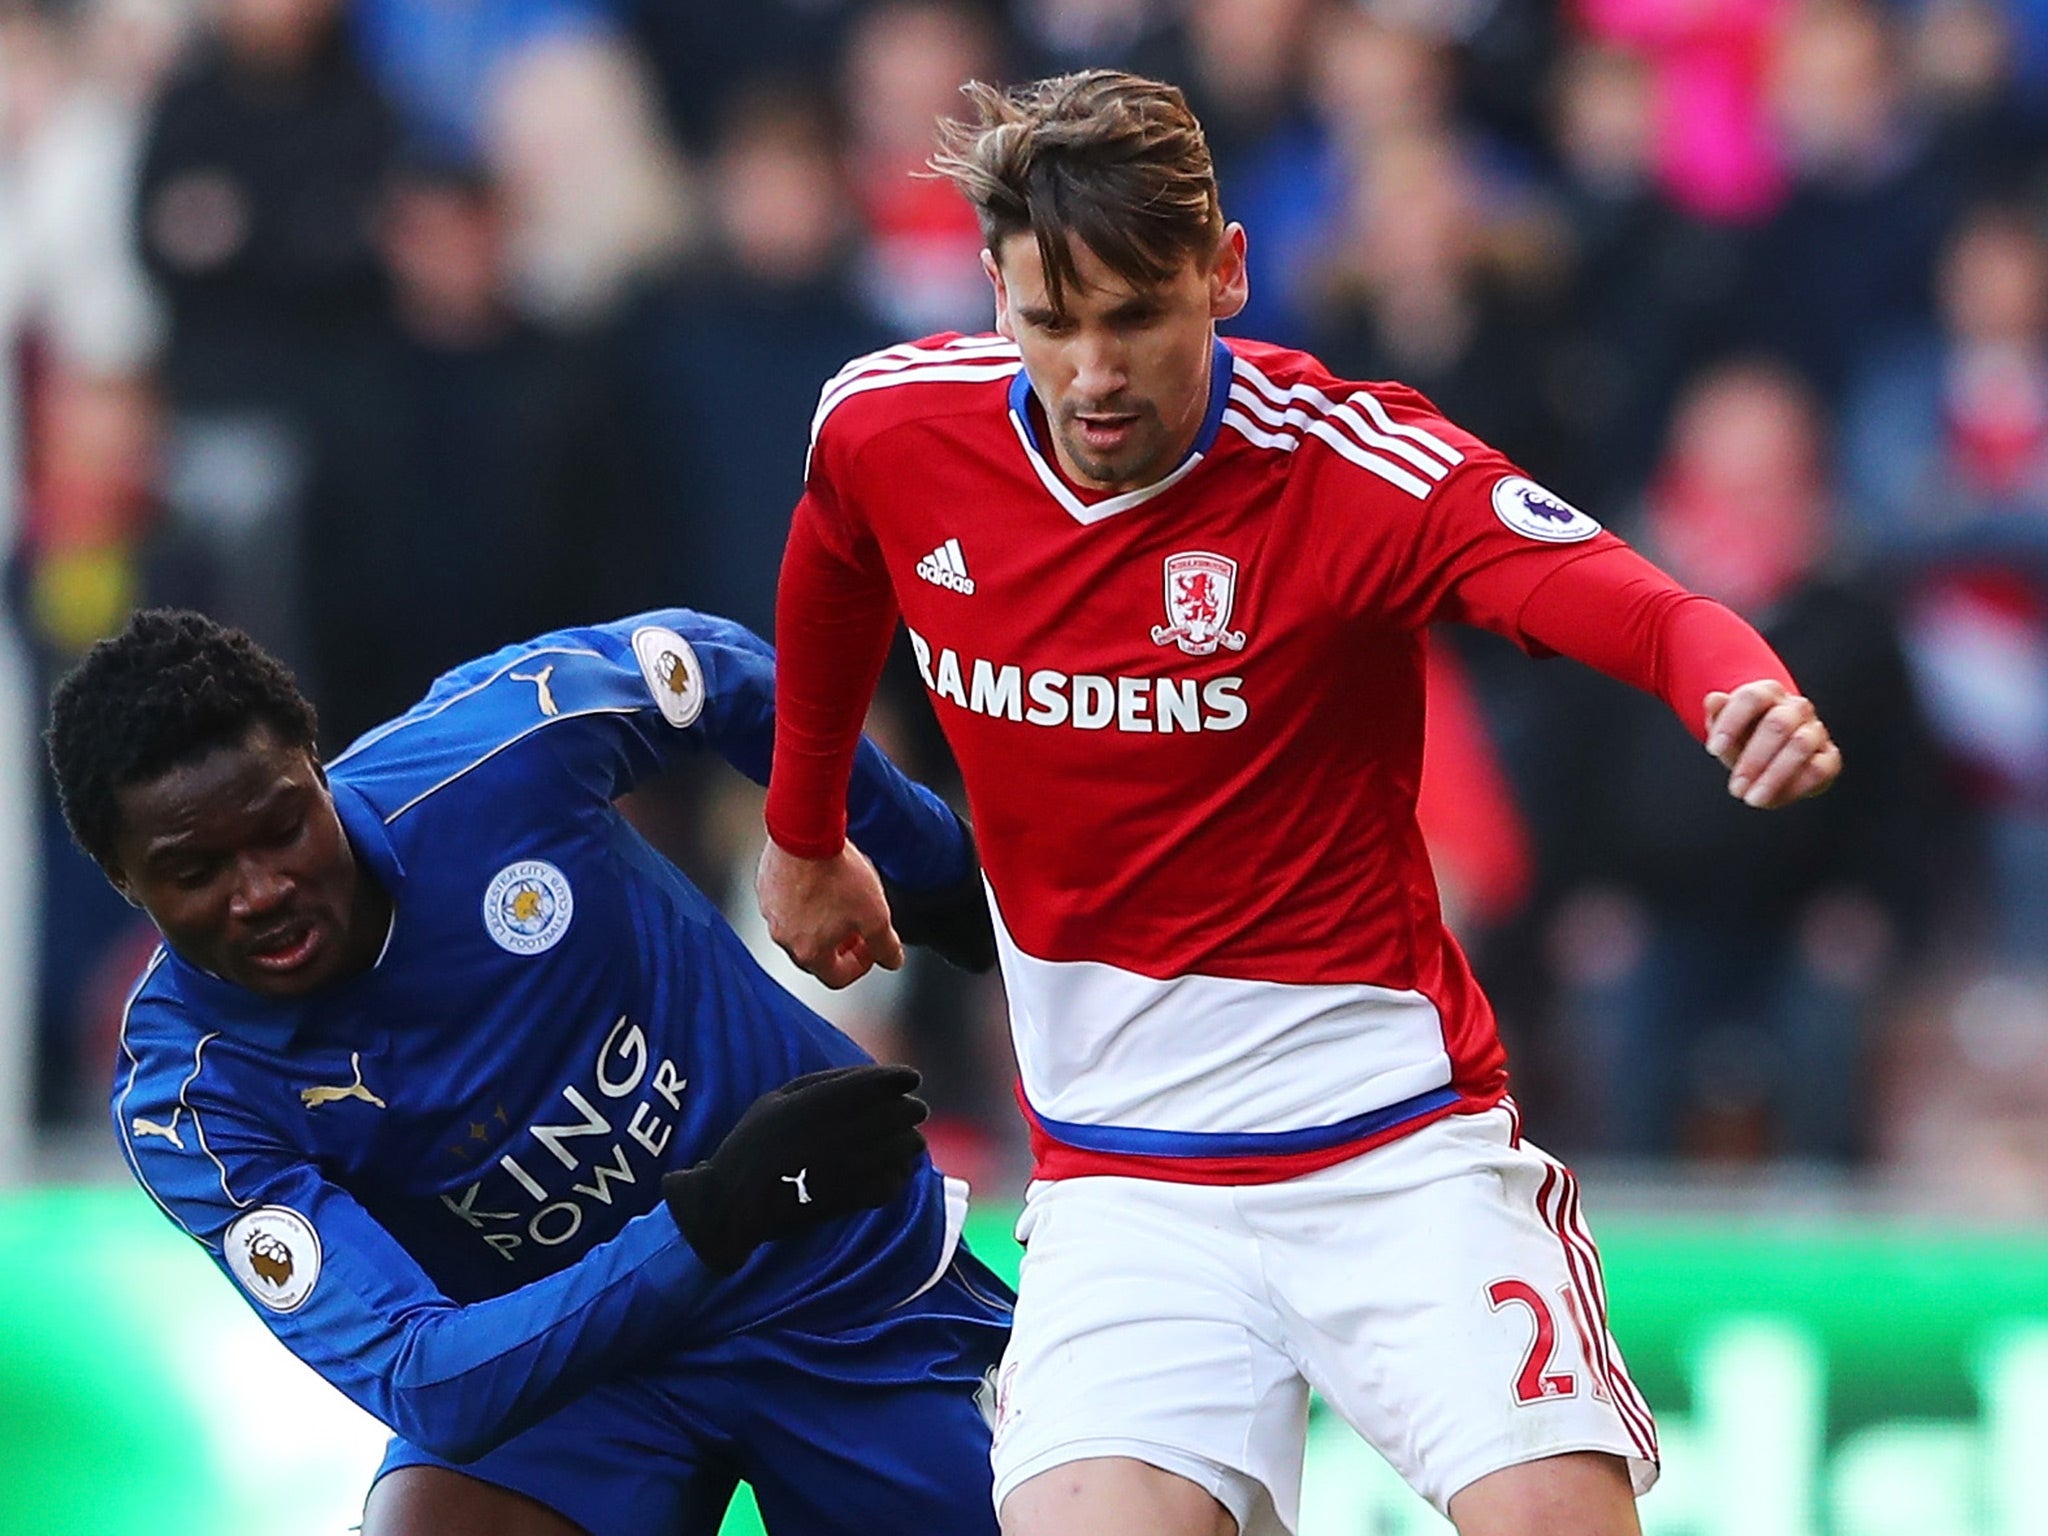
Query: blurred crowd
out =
(395, 330)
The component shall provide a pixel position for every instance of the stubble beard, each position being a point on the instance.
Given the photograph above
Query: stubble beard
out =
(1132, 468)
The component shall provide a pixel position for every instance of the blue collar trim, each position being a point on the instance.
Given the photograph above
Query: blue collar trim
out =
(1220, 367)
(368, 835)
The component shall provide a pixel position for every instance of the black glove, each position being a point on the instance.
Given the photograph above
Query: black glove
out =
(823, 1146)
(953, 921)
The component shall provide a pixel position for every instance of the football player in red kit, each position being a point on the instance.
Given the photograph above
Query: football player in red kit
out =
(1169, 594)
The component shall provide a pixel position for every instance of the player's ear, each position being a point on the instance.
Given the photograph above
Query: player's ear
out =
(1229, 280)
(994, 271)
(119, 881)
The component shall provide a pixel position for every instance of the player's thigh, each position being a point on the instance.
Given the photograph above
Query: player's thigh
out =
(882, 1427)
(632, 1455)
(439, 1501)
(1117, 1496)
(1145, 1333)
(1444, 1296)
(902, 1457)
(1581, 1493)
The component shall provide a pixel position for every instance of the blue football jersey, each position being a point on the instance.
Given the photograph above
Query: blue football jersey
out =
(439, 1180)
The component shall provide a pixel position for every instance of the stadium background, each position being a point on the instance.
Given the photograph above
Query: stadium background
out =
(397, 329)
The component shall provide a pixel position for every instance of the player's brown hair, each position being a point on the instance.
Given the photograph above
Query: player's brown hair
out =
(1111, 159)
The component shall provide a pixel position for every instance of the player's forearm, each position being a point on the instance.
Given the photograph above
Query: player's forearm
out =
(1618, 613)
(833, 625)
(460, 1380)
(911, 834)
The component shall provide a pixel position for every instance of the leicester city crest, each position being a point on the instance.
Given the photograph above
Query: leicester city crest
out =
(528, 906)
(1200, 587)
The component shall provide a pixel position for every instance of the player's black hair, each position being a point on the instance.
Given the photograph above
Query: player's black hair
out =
(168, 689)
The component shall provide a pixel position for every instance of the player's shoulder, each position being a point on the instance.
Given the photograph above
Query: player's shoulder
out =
(478, 712)
(187, 1097)
(1384, 435)
(168, 1039)
(172, 1009)
(935, 376)
(1274, 369)
(156, 1011)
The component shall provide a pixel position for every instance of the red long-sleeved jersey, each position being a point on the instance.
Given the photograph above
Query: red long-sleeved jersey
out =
(1189, 720)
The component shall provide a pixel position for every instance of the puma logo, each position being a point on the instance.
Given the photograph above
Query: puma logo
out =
(803, 1195)
(540, 682)
(142, 1125)
(314, 1097)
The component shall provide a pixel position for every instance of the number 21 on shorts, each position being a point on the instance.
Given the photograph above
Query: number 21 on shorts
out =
(1539, 1380)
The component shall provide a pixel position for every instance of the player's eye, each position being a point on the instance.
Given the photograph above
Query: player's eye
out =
(286, 832)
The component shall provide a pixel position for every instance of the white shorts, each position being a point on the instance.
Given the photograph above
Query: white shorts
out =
(1440, 1293)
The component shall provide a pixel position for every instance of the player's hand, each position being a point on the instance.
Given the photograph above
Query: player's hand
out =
(828, 915)
(824, 1146)
(1773, 744)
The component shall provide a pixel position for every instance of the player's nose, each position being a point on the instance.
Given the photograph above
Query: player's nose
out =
(1100, 372)
(260, 888)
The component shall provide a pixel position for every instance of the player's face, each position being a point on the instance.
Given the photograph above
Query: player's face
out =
(1121, 371)
(241, 861)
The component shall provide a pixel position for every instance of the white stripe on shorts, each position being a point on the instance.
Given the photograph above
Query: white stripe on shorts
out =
(1558, 1204)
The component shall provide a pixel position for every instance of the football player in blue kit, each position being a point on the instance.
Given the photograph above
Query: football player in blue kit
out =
(493, 1118)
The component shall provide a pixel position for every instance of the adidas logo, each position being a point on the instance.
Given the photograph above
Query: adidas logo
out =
(947, 567)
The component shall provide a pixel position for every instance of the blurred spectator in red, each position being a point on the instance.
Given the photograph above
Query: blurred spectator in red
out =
(1948, 448)
(1479, 846)
(90, 479)
(78, 324)
(904, 64)
(473, 484)
(259, 186)
(728, 360)
(78, 440)
(88, 503)
(1719, 971)
(1947, 431)
(1651, 284)
(1977, 633)
(1851, 253)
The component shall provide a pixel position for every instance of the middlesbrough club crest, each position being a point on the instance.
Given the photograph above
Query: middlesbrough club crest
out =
(1200, 588)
